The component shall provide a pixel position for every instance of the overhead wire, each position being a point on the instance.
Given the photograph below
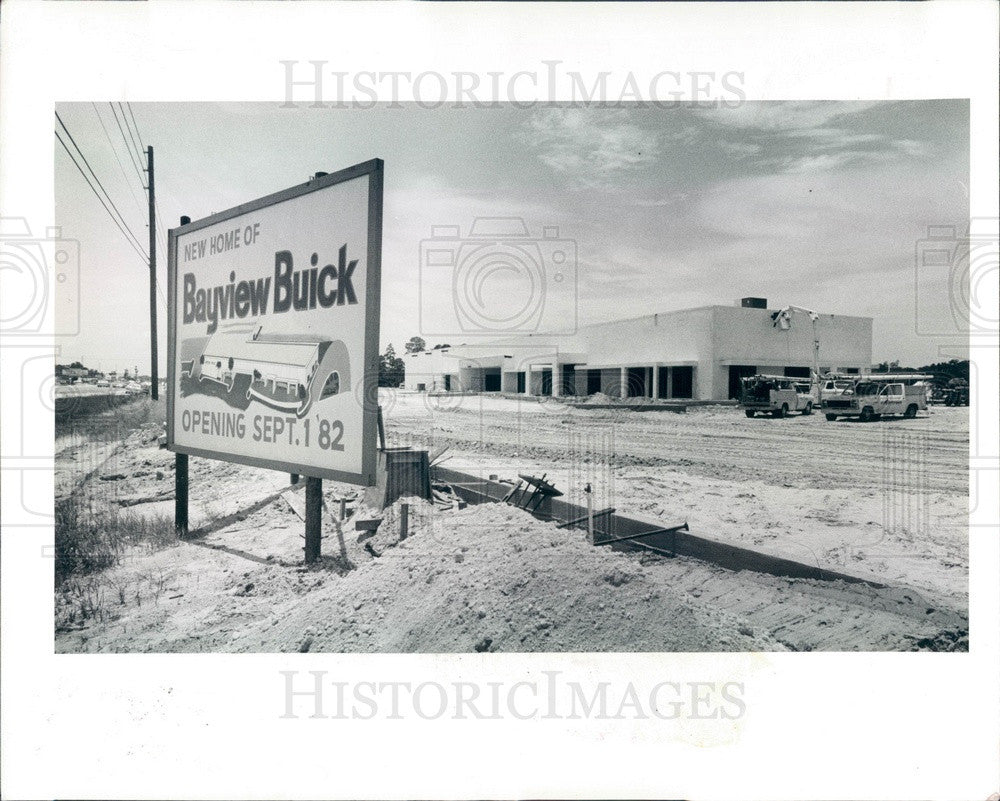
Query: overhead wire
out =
(135, 143)
(106, 200)
(134, 124)
(114, 150)
(96, 178)
(125, 139)
(158, 236)
(129, 236)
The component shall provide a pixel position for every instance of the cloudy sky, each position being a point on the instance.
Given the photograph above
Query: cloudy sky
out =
(820, 204)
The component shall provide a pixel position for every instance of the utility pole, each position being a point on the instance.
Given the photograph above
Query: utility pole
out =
(153, 371)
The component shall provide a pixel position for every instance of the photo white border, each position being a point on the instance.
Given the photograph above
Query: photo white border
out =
(819, 725)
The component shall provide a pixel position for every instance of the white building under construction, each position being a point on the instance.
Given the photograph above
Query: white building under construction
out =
(698, 354)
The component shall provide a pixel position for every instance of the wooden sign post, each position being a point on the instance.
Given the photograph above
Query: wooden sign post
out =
(314, 517)
(181, 493)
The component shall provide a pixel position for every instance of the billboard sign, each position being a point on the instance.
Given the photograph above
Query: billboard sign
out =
(273, 311)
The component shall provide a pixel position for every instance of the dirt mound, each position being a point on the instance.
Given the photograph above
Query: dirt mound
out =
(600, 397)
(492, 578)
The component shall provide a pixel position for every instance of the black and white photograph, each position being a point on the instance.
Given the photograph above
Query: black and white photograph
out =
(647, 379)
(494, 400)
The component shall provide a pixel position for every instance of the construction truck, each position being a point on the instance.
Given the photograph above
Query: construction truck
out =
(777, 395)
(871, 397)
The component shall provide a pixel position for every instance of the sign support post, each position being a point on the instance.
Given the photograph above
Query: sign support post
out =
(314, 516)
(181, 493)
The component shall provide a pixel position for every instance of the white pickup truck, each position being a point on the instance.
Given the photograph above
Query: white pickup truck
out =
(776, 395)
(872, 397)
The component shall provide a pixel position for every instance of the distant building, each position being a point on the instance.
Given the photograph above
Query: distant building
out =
(70, 375)
(693, 354)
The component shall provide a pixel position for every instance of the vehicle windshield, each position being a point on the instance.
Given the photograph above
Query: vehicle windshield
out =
(867, 388)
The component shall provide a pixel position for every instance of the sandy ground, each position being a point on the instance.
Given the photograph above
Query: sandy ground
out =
(493, 578)
(886, 501)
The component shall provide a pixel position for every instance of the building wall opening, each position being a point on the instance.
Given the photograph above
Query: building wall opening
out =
(661, 382)
(593, 382)
(491, 379)
(798, 372)
(521, 382)
(568, 381)
(636, 382)
(447, 383)
(736, 372)
(682, 385)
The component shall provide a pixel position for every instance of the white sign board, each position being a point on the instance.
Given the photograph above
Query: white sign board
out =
(273, 329)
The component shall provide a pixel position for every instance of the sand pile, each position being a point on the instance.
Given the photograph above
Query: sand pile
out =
(492, 578)
(600, 397)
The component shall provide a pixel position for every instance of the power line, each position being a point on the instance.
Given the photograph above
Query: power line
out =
(97, 194)
(117, 157)
(141, 148)
(158, 217)
(105, 191)
(134, 124)
(157, 229)
(161, 226)
(138, 150)
(135, 164)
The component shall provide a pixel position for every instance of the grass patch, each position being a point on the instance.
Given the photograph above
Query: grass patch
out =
(102, 423)
(90, 538)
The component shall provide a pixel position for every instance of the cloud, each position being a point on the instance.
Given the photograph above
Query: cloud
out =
(739, 150)
(805, 137)
(590, 148)
(782, 116)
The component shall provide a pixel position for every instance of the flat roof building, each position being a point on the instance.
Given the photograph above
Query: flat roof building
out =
(696, 354)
